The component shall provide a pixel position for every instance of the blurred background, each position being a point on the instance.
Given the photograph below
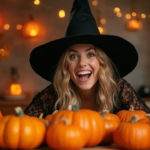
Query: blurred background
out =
(25, 24)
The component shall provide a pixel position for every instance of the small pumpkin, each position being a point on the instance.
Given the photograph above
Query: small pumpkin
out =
(50, 116)
(111, 123)
(63, 135)
(132, 135)
(126, 115)
(21, 132)
(89, 120)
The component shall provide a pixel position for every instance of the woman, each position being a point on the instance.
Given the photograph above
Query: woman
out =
(85, 69)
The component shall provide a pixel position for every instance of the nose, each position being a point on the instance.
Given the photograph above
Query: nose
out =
(82, 61)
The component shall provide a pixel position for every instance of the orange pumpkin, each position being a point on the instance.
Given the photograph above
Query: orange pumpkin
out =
(89, 120)
(144, 120)
(50, 116)
(23, 132)
(111, 123)
(132, 135)
(126, 115)
(1, 115)
(65, 136)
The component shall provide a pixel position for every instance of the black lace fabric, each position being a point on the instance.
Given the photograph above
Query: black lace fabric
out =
(44, 101)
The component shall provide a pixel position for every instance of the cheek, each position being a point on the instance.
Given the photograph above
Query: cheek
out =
(95, 64)
(71, 67)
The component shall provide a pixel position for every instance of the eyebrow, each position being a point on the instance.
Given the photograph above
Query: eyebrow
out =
(88, 49)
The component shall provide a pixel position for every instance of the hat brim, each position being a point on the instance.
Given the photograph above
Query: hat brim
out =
(44, 58)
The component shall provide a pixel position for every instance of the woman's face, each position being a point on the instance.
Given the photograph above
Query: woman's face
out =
(83, 66)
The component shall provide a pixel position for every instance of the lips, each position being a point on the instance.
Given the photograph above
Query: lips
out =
(83, 75)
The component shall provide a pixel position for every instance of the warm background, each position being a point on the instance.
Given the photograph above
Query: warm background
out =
(15, 12)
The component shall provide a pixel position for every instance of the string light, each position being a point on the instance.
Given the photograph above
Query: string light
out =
(143, 15)
(127, 16)
(19, 27)
(134, 14)
(36, 2)
(94, 2)
(101, 29)
(103, 21)
(61, 13)
(116, 9)
(4, 52)
(6, 26)
(119, 14)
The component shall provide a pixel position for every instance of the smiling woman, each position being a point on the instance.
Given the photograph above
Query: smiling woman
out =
(85, 68)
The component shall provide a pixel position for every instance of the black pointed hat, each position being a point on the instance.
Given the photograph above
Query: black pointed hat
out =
(82, 28)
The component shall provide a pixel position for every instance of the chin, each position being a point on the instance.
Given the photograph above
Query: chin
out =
(85, 88)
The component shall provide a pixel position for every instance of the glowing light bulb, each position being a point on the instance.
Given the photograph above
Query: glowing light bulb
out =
(61, 13)
(127, 16)
(6, 26)
(116, 9)
(19, 27)
(36, 2)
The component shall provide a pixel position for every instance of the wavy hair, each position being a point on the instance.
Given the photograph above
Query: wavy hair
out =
(106, 95)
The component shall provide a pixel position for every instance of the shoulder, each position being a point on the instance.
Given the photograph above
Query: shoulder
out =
(47, 93)
(122, 82)
(124, 85)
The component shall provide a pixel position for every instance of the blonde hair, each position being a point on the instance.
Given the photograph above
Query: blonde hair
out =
(106, 95)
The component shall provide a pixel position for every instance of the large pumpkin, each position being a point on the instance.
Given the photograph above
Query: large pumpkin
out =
(23, 132)
(111, 123)
(1, 115)
(126, 115)
(89, 120)
(64, 136)
(132, 135)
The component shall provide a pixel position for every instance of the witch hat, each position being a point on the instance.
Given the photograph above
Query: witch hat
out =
(82, 28)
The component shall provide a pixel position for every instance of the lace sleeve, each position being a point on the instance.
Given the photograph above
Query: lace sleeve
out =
(42, 103)
(128, 96)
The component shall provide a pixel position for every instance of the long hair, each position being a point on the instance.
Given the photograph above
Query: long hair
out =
(106, 95)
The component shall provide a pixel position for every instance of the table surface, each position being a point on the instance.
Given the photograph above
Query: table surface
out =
(112, 147)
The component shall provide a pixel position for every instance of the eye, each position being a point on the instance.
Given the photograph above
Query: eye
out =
(72, 57)
(91, 54)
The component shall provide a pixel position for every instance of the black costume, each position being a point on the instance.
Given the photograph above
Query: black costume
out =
(44, 101)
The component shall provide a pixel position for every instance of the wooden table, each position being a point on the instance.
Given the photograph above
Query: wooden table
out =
(112, 147)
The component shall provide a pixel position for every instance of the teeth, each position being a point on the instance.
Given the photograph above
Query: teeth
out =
(84, 72)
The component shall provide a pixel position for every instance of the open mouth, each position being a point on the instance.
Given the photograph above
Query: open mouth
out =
(84, 75)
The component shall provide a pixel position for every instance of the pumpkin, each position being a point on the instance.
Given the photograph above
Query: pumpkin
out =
(111, 123)
(65, 136)
(126, 115)
(144, 120)
(132, 135)
(1, 115)
(21, 132)
(50, 116)
(89, 120)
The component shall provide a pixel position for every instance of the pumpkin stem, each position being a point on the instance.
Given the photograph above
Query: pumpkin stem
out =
(131, 108)
(133, 119)
(105, 111)
(73, 107)
(19, 111)
(55, 111)
(147, 115)
(41, 116)
(62, 119)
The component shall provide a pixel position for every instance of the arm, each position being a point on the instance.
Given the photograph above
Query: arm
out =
(43, 102)
(128, 97)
